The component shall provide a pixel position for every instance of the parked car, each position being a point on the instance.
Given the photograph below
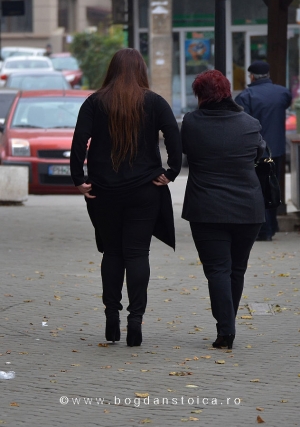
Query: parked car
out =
(290, 130)
(38, 133)
(7, 97)
(37, 80)
(21, 51)
(17, 63)
(68, 65)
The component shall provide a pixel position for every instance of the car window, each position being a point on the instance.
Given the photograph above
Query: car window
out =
(23, 64)
(65, 63)
(37, 82)
(50, 113)
(6, 100)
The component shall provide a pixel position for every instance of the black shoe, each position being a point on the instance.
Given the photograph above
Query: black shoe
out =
(134, 333)
(224, 341)
(112, 329)
(264, 238)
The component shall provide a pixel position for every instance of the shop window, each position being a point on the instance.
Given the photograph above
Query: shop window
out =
(18, 24)
(246, 12)
(191, 13)
(199, 57)
(144, 48)
(238, 61)
(143, 13)
(292, 12)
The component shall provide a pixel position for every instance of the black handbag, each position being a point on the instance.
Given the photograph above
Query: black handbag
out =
(266, 172)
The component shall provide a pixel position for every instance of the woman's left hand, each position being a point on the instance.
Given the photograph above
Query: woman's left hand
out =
(161, 180)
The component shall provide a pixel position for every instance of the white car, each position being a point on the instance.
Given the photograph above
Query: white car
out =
(8, 51)
(22, 63)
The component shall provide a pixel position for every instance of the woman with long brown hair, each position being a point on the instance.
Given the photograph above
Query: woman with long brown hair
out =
(126, 190)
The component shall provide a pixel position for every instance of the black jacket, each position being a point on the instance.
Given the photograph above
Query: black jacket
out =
(92, 123)
(222, 186)
(267, 102)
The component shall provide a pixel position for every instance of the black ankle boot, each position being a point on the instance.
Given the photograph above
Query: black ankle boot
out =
(224, 341)
(112, 329)
(134, 333)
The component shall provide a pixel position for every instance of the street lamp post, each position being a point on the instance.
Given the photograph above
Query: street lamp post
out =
(220, 36)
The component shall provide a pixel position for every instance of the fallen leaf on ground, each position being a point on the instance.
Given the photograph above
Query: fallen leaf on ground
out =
(246, 317)
(205, 357)
(102, 344)
(14, 404)
(191, 386)
(259, 419)
(259, 409)
(180, 374)
(146, 421)
(141, 394)
(197, 411)
(220, 362)
(256, 380)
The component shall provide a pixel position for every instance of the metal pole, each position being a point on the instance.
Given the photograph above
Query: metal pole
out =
(220, 36)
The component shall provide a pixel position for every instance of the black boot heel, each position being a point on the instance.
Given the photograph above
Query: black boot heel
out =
(224, 341)
(134, 334)
(112, 329)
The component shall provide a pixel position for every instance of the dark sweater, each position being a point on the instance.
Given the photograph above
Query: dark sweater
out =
(92, 123)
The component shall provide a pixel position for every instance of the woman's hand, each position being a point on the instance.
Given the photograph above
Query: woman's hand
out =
(85, 189)
(161, 180)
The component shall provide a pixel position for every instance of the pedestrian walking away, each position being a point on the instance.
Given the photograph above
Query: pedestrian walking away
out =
(223, 199)
(126, 191)
(267, 102)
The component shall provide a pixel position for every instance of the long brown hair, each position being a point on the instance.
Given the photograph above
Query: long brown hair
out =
(122, 95)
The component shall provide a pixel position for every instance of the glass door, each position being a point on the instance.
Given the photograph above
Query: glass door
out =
(256, 49)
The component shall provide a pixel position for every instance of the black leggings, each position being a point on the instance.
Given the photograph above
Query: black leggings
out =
(125, 222)
(224, 250)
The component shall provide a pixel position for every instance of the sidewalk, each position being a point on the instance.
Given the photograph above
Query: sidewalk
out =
(52, 331)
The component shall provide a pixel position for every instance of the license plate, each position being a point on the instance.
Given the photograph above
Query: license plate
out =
(62, 170)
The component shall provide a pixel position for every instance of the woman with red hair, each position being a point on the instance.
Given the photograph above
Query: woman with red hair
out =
(223, 199)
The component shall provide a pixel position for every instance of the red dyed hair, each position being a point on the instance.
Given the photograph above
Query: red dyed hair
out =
(211, 86)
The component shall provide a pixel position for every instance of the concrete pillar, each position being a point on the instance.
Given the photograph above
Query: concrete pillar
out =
(45, 14)
(13, 183)
(161, 47)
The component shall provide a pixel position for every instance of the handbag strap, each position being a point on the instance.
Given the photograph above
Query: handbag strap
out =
(268, 151)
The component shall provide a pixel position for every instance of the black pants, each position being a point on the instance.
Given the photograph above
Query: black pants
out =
(125, 222)
(224, 250)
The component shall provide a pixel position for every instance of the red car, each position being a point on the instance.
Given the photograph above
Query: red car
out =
(38, 133)
(68, 65)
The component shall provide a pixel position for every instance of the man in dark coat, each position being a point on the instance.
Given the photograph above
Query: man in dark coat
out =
(267, 102)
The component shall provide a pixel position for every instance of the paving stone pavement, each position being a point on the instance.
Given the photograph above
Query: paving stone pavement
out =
(52, 332)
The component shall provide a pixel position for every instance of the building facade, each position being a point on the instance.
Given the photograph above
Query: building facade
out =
(52, 21)
(193, 42)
